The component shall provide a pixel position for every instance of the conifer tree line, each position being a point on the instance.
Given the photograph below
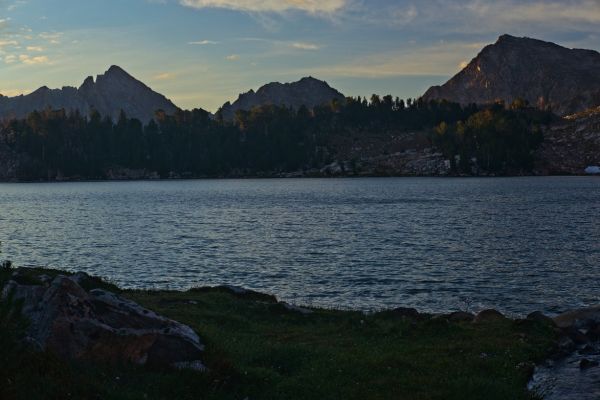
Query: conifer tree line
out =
(267, 139)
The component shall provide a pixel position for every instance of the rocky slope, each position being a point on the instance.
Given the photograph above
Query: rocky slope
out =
(113, 91)
(544, 73)
(571, 145)
(309, 92)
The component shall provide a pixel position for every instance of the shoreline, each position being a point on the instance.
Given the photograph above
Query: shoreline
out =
(243, 326)
(324, 177)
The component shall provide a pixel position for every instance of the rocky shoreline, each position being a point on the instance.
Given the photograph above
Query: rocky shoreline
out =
(79, 317)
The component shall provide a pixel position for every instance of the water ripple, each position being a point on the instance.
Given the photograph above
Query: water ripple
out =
(517, 244)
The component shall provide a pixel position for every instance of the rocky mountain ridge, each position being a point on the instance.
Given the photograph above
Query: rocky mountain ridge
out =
(308, 91)
(545, 74)
(111, 92)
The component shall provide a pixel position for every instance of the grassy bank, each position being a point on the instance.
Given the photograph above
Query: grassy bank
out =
(258, 349)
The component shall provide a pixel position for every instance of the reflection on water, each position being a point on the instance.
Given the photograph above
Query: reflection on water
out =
(517, 244)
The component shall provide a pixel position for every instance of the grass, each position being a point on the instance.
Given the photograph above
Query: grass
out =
(257, 349)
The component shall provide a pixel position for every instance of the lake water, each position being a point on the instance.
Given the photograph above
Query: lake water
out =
(516, 244)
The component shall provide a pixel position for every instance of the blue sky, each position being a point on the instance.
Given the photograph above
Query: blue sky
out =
(201, 53)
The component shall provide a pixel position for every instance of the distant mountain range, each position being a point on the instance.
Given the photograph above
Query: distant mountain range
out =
(543, 73)
(112, 92)
(309, 92)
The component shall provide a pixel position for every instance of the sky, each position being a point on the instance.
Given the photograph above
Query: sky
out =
(202, 53)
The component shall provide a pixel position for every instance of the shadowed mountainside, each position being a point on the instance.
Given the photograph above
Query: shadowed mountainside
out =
(309, 92)
(113, 91)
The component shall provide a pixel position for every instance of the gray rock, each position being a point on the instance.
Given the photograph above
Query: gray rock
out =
(539, 316)
(488, 315)
(585, 363)
(578, 318)
(405, 312)
(74, 324)
(461, 316)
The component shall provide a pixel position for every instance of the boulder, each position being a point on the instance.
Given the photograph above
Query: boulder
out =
(578, 318)
(540, 317)
(488, 315)
(585, 363)
(461, 316)
(74, 324)
(405, 312)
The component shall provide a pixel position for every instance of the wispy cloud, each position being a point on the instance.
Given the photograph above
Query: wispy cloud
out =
(164, 76)
(51, 37)
(14, 92)
(4, 23)
(203, 42)
(35, 48)
(6, 43)
(439, 60)
(10, 59)
(305, 46)
(28, 60)
(232, 57)
(278, 6)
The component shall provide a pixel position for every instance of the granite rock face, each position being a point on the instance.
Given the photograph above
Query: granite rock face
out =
(309, 92)
(546, 74)
(571, 146)
(113, 91)
(75, 324)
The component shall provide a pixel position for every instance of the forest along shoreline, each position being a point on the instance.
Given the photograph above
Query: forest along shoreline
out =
(224, 333)
(382, 138)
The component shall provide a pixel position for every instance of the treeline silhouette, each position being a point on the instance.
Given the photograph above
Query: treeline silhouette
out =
(265, 140)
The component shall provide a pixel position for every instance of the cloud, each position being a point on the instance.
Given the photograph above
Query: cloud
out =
(14, 92)
(51, 37)
(305, 46)
(35, 48)
(202, 42)
(16, 4)
(539, 11)
(437, 60)
(26, 59)
(233, 57)
(4, 23)
(6, 43)
(273, 6)
(10, 59)
(165, 76)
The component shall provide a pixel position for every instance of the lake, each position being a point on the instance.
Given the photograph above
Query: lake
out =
(437, 244)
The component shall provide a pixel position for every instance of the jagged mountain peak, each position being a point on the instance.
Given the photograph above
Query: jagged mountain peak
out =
(544, 73)
(115, 72)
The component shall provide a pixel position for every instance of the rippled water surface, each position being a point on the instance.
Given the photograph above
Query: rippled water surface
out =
(517, 244)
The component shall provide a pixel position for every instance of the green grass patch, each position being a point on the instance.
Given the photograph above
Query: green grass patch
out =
(257, 349)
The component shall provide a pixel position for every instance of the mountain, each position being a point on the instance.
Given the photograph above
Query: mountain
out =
(309, 92)
(544, 73)
(113, 91)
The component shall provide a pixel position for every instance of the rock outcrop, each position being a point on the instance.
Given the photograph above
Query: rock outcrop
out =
(571, 146)
(545, 74)
(113, 91)
(98, 325)
(572, 372)
(309, 92)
